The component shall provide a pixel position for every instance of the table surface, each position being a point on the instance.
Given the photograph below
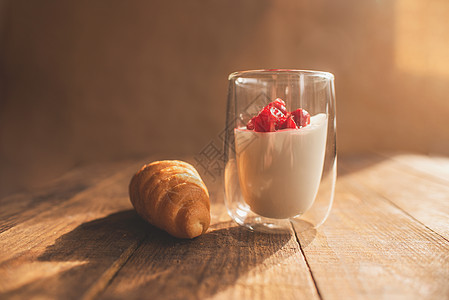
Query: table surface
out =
(387, 237)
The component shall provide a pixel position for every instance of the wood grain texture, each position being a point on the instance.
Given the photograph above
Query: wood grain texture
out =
(434, 167)
(370, 249)
(228, 262)
(17, 208)
(76, 248)
(418, 193)
(60, 252)
(385, 239)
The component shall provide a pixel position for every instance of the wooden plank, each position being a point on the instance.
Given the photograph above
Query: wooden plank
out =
(20, 207)
(371, 249)
(92, 245)
(421, 196)
(229, 262)
(63, 251)
(75, 247)
(434, 167)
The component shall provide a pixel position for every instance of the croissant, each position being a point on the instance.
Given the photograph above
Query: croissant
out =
(171, 195)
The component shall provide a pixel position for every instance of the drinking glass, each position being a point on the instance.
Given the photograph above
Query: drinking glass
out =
(275, 179)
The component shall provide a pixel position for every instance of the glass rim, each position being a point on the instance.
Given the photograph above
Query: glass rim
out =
(249, 73)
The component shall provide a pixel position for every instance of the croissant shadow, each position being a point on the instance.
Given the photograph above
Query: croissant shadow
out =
(169, 268)
(161, 266)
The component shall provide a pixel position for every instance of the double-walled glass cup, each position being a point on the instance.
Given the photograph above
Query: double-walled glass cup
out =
(287, 176)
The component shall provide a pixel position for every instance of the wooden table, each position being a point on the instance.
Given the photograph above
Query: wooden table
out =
(387, 238)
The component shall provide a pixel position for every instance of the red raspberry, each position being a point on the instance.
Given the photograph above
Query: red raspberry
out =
(288, 123)
(267, 120)
(279, 104)
(301, 117)
(274, 116)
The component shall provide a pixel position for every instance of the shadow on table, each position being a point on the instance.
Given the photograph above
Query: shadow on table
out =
(162, 266)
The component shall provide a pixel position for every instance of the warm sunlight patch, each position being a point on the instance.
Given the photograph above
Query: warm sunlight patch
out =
(16, 276)
(422, 36)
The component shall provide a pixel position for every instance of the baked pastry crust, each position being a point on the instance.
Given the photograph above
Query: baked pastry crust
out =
(171, 195)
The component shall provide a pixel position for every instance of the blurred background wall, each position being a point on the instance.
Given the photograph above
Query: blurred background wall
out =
(93, 81)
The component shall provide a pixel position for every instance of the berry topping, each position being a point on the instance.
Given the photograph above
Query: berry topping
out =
(288, 123)
(301, 117)
(267, 120)
(275, 116)
(279, 104)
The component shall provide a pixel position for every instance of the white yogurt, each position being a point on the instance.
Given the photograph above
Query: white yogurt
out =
(280, 172)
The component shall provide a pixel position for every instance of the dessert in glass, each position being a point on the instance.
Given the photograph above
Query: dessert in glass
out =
(280, 148)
